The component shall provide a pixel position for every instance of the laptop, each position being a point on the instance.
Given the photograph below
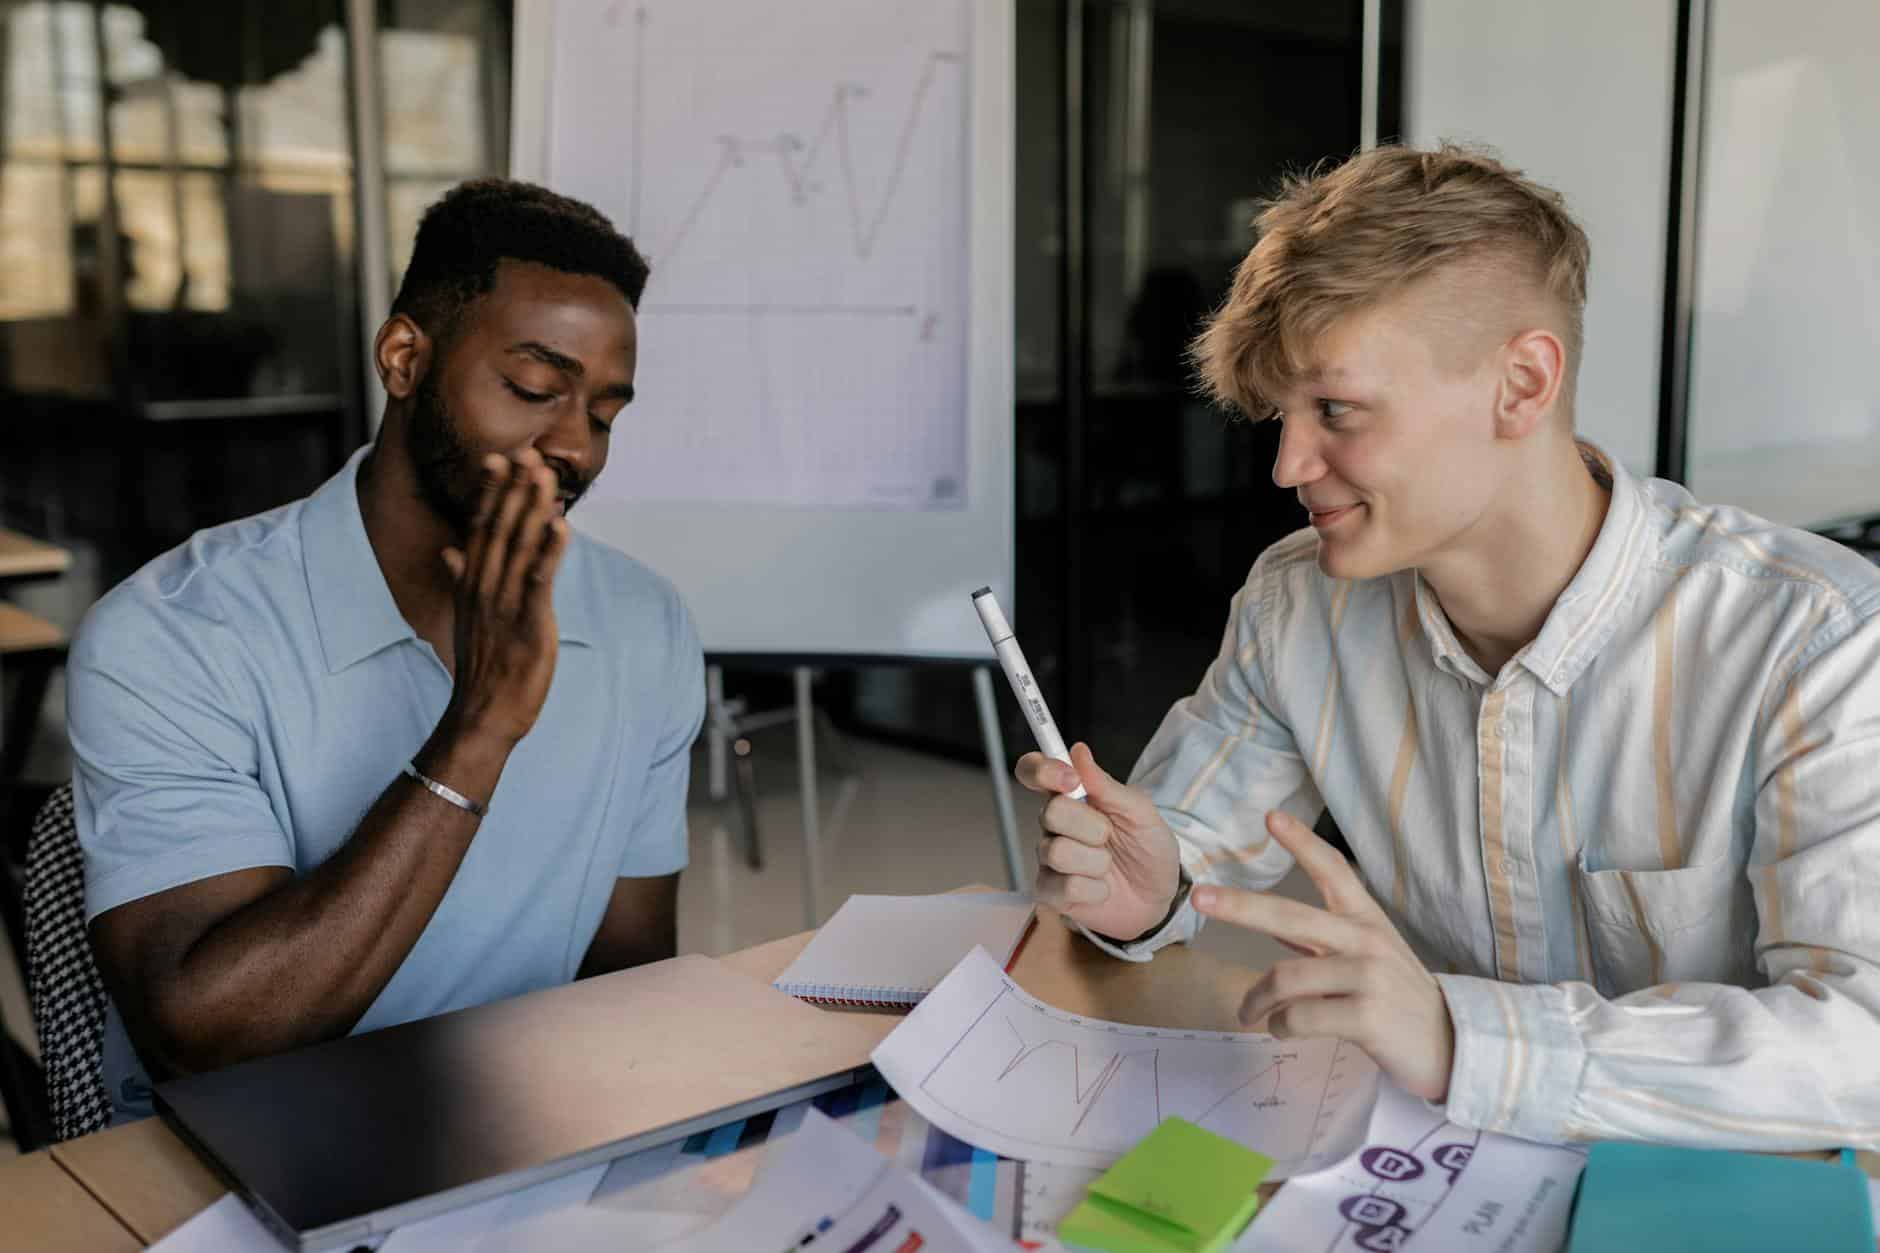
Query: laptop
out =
(334, 1144)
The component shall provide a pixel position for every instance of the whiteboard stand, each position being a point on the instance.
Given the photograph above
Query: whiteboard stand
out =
(806, 778)
(727, 723)
(726, 730)
(1001, 784)
(718, 736)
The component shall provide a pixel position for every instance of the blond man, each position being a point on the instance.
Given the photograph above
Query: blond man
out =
(1608, 759)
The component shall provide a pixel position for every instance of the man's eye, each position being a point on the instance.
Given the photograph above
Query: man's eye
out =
(534, 398)
(1332, 410)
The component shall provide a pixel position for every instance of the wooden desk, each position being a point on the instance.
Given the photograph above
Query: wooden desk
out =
(24, 558)
(152, 1183)
(46, 1211)
(143, 1175)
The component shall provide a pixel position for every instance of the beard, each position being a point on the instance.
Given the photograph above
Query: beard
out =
(449, 480)
(449, 473)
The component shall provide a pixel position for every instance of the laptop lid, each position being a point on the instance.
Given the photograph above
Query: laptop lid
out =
(333, 1143)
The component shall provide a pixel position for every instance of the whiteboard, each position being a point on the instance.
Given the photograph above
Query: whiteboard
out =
(819, 454)
(1785, 405)
(1579, 97)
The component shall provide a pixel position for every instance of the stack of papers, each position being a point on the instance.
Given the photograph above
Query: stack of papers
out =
(829, 1190)
(982, 1068)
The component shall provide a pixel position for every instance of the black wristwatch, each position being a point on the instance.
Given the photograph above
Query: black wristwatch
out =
(1183, 886)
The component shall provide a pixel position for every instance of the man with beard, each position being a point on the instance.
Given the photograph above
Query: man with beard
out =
(410, 744)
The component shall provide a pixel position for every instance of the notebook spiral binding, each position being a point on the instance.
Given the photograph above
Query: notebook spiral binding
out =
(840, 997)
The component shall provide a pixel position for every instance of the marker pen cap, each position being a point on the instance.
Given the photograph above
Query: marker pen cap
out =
(990, 615)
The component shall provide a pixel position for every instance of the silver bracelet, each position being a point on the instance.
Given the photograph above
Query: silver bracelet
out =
(450, 794)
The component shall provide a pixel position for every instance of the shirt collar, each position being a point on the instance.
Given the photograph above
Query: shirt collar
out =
(1586, 614)
(352, 606)
(1444, 646)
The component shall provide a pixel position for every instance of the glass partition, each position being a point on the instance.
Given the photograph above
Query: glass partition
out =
(1784, 412)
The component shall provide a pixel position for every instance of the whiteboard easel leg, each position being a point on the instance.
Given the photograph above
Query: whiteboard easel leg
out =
(715, 732)
(1001, 786)
(806, 770)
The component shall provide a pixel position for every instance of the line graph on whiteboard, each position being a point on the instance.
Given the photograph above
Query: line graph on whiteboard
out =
(798, 176)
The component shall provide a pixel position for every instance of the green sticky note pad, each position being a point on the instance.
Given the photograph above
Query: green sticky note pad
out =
(1181, 1189)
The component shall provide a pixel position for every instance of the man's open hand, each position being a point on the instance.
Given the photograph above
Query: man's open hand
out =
(1357, 979)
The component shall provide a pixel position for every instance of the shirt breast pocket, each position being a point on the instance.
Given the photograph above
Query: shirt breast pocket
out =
(1696, 924)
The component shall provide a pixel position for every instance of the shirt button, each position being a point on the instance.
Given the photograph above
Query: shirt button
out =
(1507, 865)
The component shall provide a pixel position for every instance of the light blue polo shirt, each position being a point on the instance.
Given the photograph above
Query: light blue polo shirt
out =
(242, 700)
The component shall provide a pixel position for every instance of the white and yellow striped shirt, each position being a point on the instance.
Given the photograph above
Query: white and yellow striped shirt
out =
(1644, 859)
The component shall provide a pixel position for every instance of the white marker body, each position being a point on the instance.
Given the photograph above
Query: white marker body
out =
(1024, 687)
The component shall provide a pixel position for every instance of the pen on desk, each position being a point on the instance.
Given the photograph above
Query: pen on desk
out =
(1024, 687)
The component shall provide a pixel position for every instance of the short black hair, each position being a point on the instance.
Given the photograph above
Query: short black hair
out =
(479, 224)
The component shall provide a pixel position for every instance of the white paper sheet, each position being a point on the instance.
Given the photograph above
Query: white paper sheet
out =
(682, 1187)
(1050, 1193)
(820, 1182)
(983, 1059)
(228, 1226)
(480, 1226)
(1422, 1183)
(834, 1185)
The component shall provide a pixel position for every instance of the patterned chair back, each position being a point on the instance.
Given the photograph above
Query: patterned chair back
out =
(67, 994)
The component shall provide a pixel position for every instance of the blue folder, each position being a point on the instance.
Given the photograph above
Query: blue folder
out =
(1643, 1196)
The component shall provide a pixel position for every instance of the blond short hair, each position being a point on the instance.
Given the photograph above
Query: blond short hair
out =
(1334, 242)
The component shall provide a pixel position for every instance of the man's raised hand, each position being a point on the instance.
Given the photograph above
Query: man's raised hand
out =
(505, 632)
(1356, 980)
(1109, 861)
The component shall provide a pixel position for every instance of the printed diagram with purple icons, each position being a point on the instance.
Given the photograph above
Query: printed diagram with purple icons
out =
(995, 1067)
(1421, 1182)
(1405, 1186)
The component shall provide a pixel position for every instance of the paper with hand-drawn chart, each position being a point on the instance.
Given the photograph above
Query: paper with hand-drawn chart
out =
(1422, 1182)
(988, 1063)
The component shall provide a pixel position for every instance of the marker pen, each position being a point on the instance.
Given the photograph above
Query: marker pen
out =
(1018, 673)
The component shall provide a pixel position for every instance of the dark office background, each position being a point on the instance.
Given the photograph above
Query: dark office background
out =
(1147, 134)
(181, 336)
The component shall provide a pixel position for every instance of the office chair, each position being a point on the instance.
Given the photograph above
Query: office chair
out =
(22, 1085)
(67, 994)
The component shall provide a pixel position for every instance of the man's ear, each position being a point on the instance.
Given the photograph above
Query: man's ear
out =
(402, 353)
(1533, 367)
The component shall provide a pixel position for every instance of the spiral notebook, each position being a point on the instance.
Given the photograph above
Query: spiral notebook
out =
(893, 950)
